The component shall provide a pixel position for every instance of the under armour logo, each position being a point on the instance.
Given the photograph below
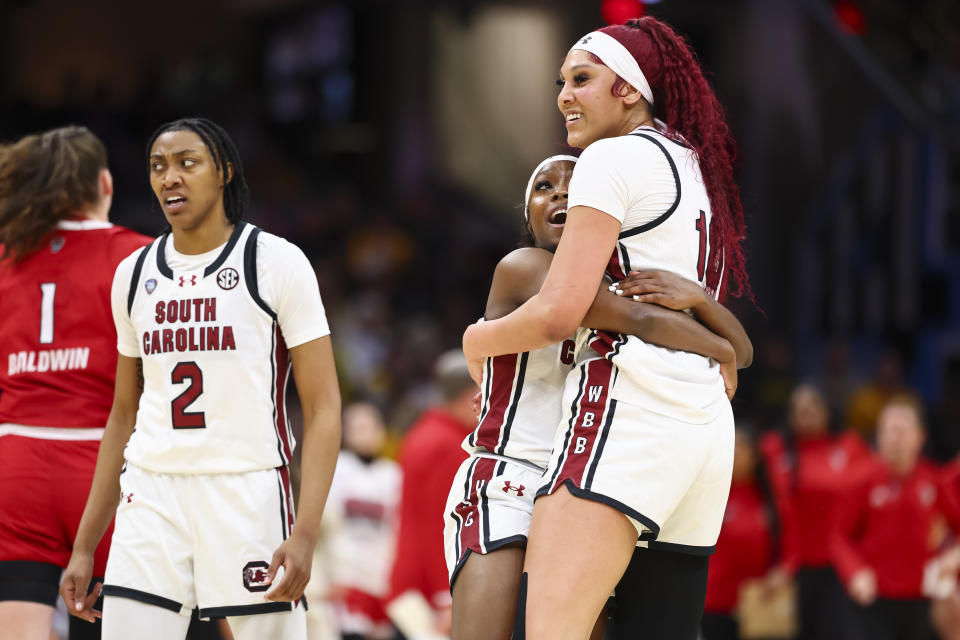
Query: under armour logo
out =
(586, 40)
(126, 497)
(507, 488)
(193, 280)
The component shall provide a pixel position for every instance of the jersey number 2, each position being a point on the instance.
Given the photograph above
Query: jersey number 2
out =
(183, 419)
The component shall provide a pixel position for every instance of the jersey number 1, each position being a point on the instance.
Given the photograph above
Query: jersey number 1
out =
(183, 419)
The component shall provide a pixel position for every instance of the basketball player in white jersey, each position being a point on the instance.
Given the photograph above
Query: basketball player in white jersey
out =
(196, 450)
(491, 499)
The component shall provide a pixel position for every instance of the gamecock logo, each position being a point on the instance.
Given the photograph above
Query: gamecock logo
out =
(255, 576)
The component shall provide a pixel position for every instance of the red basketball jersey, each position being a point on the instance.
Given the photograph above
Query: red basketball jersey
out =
(58, 343)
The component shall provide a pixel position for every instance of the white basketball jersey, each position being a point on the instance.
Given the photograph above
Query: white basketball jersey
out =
(521, 403)
(215, 364)
(366, 496)
(674, 238)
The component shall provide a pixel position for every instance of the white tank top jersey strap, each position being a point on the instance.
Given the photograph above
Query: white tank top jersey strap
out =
(652, 184)
(213, 331)
(521, 403)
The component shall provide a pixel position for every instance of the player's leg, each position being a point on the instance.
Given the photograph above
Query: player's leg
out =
(577, 552)
(485, 531)
(25, 620)
(290, 625)
(485, 594)
(661, 595)
(124, 618)
(33, 549)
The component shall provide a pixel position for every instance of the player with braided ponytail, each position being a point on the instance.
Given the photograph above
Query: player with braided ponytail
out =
(643, 454)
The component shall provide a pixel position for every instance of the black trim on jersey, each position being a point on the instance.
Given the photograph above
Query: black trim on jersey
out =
(514, 403)
(162, 265)
(283, 506)
(135, 279)
(165, 269)
(142, 596)
(625, 259)
(231, 243)
(690, 549)
(566, 438)
(250, 272)
(611, 409)
(666, 137)
(676, 203)
(248, 609)
(485, 512)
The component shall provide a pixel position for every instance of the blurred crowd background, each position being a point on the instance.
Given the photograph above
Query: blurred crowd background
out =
(392, 142)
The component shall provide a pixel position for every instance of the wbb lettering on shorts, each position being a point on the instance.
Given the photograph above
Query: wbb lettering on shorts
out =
(588, 419)
(185, 339)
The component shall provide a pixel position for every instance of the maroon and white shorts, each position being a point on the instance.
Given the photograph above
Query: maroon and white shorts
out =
(489, 507)
(670, 478)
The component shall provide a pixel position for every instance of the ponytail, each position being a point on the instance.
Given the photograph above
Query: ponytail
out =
(685, 102)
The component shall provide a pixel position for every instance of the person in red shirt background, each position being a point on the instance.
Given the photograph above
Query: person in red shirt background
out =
(809, 469)
(747, 542)
(419, 600)
(58, 349)
(884, 535)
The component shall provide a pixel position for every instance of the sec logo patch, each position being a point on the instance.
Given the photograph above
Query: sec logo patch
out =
(227, 278)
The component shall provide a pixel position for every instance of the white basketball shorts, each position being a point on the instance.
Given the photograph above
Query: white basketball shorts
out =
(489, 506)
(185, 541)
(670, 478)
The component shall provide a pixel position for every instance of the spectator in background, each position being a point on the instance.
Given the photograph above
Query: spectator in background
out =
(365, 494)
(884, 535)
(865, 404)
(746, 546)
(809, 467)
(430, 455)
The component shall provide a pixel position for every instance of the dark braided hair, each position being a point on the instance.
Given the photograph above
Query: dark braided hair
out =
(46, 178)
(236, 193)
(685, 102)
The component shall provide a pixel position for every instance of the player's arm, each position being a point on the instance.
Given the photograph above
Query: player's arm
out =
(105, 489)
(520, 274)
(676, 292)
(316, 379)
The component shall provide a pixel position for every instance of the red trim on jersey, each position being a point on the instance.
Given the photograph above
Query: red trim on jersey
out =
(282, 361)
(614, 268)
(504, 375)
(578, 452)
(472, 506)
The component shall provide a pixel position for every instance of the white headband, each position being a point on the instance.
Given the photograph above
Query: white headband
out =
(615, 55)
(533, 176)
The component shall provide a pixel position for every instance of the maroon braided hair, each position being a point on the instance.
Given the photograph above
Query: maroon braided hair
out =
(685, 102)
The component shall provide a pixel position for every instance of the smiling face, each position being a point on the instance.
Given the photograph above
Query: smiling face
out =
(591, 112)
(186, 181)
(548, 203)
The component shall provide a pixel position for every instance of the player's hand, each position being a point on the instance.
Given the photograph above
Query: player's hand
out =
(477, 404)
(728, 371)
(73, 587)
(295, 555)
(661, 287)
(863, 587)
